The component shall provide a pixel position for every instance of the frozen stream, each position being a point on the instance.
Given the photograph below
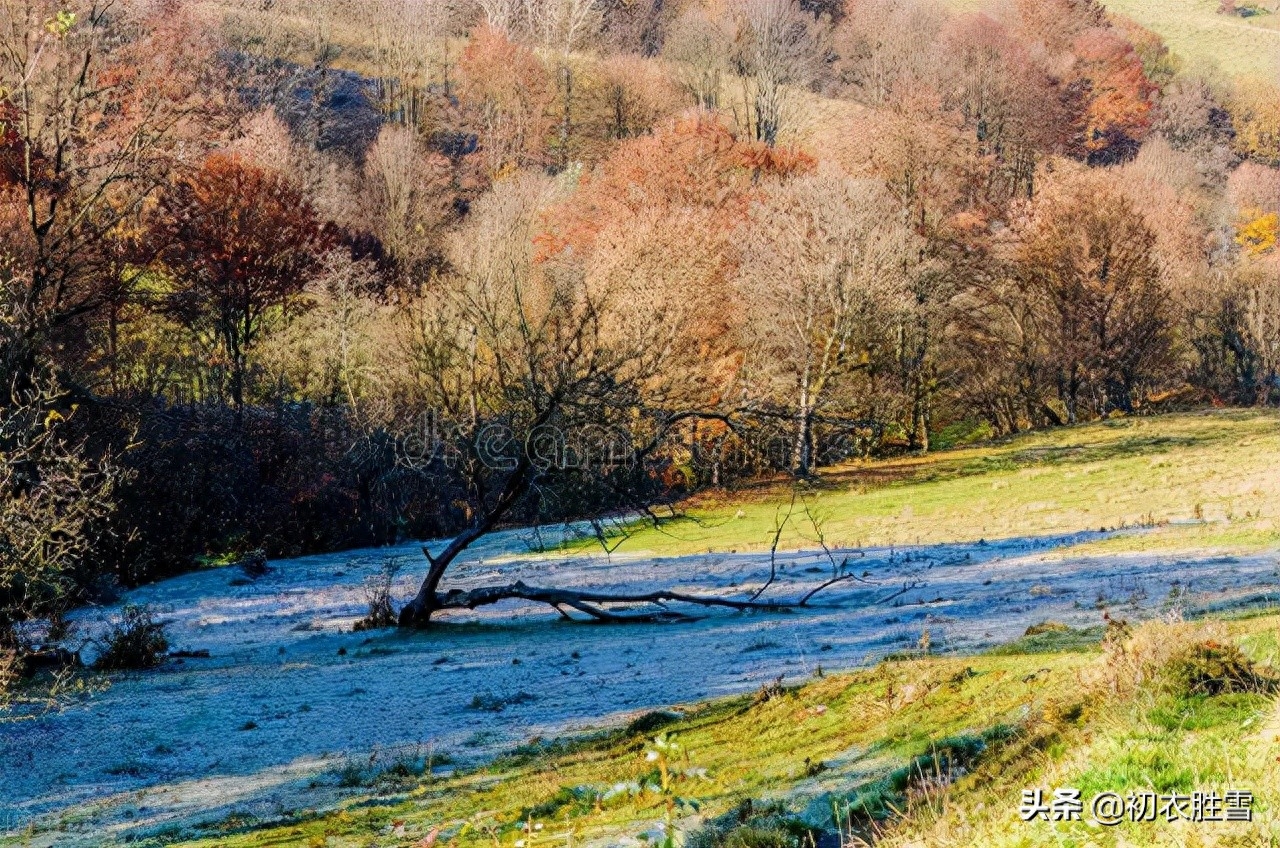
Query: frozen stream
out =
(289, 694)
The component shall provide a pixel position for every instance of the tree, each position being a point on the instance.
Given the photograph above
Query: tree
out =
(1119, 107)
(408, 197)
(822, 272)
(95, 109)
(1259, 320)
(511, 98)
(1255, 114)
(1100, 81)
(531, 374)
(239, 243)
(885, 46)
(777, 48)
(1088, 259)
(636, 95)
(412, 51)
(699, 47)
(1006, 101)
(55, 504)
(549, 391)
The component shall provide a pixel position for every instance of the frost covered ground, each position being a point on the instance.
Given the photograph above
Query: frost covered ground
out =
(289, 696)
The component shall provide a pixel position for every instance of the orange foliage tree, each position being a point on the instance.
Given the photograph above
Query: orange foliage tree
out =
(510, 98)
(654, 224)
(1120, 101)
(94, 111)
(239, 243)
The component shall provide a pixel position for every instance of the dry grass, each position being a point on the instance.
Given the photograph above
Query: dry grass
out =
(1196, 33)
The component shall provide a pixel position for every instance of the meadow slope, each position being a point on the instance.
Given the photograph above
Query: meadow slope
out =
(298, 731)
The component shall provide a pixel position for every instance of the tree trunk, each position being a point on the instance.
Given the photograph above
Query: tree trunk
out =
(566, 119)
(802, 450)
(418, 612)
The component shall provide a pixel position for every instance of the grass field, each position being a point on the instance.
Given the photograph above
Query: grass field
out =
(1195, 31)
(1217, 471)
(916, 751)
(921, 749)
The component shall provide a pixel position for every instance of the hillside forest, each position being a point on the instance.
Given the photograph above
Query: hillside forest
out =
(289, 277)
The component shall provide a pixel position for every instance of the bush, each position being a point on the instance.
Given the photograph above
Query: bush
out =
(56, 503)
(135, 642)
(1138, 657)
(1211, 668)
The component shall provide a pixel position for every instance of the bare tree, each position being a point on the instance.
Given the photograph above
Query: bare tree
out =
(54, 507)
(699, 46)
(407, 194)
(777, 48)
(512, 359)
(823, 267)
(412, 52)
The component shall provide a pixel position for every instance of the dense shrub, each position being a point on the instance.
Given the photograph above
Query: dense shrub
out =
(288, 480)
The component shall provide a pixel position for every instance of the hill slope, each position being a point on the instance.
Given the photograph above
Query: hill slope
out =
(1219, 468)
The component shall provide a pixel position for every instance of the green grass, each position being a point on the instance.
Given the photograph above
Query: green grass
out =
(927, 751)
(1197, 34)
(1219, 467)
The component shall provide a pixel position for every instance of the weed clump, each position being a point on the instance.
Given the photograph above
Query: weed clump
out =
(1212, 668)
(769, 691)
(254, 564)
(1047, 627)
(135, 642)
(377, 591)
(752, 827)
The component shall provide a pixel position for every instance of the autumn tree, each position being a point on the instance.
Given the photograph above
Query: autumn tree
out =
(533, 373)
(1101, 85)
(55, 504)
(239, 243)
(94, 111)
(884, 47)
(407, 195)
(1008, 104)
(1194, 120)
(629, 98)
(823, 274)
(510, 98)
(1088, 259)
(777, 49)
(1258, 299)
(412, 47)
(1255, 113)
(698, 47)
(1119, 106)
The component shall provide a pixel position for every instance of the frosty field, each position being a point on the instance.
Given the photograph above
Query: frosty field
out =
(289, 696)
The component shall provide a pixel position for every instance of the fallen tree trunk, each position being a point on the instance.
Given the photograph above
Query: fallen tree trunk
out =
(589, 603)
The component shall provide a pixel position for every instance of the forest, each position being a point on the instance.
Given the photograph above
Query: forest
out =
(282, 277)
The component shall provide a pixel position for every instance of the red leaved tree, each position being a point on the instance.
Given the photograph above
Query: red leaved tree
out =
(239, 244)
